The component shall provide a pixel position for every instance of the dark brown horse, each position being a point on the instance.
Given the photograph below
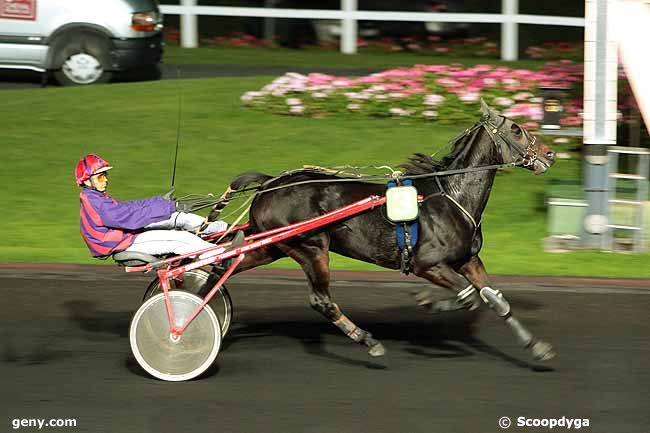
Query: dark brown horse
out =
(450, 237)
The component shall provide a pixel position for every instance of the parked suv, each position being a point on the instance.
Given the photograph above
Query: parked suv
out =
(80, 41)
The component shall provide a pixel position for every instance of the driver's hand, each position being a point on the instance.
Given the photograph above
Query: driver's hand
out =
(169, 195)
(183, 207)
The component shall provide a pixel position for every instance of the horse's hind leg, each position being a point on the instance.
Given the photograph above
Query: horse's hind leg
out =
(259, 257)
(313, 257)
(475, 272)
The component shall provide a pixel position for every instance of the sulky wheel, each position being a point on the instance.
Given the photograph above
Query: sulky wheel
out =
(199, 282)
(168, 358)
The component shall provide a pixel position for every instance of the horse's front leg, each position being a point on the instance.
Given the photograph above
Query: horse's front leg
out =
(443, 275)
(475, 272)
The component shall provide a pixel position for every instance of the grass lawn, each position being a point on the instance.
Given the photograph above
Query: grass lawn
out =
(314, 58)
(133, 126)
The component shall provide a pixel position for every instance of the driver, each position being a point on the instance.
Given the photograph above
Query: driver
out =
(153, 225)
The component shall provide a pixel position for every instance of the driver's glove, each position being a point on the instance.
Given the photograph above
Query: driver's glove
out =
(169, 195)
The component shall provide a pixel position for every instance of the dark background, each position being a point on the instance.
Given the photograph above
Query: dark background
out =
(210, 26)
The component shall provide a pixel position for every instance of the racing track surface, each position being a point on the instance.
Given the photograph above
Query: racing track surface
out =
(65, 354)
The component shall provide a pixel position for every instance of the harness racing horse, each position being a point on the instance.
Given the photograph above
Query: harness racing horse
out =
(450, 236)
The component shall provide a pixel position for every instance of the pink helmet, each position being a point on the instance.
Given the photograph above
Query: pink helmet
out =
(90, 165)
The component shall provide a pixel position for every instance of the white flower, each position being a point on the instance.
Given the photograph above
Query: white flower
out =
(381, 96)
(503, 101)
(351, 95)
(430, 114)
(396, 95)
(468, 97)
(297, 109)
(319, 95)
(396, 111)
(353, 107)
(433, 100)
(522, 96)
(510, 81)
(247, 97)
(296, 76)
(293, 101)
(561, 140)
(537, 100)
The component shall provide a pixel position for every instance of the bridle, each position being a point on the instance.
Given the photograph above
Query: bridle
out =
(527, 155)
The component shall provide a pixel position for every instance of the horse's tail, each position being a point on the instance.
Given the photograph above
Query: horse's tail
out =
(247, 178)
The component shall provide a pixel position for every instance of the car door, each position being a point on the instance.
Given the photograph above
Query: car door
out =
(22, 32)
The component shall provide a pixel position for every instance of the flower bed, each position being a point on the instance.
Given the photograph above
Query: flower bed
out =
(442, 93)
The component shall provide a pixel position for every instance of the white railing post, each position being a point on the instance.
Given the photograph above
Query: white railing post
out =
(269, 23)
(189, 27)
(349, 27)
(510, 31)
(599, 119)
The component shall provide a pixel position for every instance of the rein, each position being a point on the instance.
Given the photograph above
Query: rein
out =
(528, 157)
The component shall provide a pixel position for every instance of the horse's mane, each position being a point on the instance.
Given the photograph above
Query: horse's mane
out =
(419, 163)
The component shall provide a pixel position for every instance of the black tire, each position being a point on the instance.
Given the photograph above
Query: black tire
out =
(81, 58)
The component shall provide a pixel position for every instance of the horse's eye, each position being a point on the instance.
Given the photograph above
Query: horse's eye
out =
(515, 130)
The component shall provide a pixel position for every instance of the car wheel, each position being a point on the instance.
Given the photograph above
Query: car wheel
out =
(82, 58)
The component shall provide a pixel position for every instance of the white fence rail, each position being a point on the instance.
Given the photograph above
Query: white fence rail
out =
(349, 15)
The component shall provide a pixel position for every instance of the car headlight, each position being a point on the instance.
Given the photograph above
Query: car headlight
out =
(148, 21)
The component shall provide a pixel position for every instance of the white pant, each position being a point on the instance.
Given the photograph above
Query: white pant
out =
(161, 238)
(157, 242)
(187, 221)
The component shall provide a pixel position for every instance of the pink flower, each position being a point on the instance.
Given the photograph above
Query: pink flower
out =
(448, 82)
(531, 111)
(571, 121)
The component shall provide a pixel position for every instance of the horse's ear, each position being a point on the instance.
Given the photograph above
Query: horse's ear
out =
(487, 110)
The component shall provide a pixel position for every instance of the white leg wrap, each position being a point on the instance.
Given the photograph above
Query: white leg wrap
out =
(465, 293)
(468, 297)
(495, 300)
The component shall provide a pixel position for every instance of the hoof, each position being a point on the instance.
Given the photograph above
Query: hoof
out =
(423, 298)
(542, 351)
(377, 350)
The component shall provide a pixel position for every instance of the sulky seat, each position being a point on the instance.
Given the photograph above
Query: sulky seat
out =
(133, 258)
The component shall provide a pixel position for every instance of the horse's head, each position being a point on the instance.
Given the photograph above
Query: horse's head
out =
(515, 144)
